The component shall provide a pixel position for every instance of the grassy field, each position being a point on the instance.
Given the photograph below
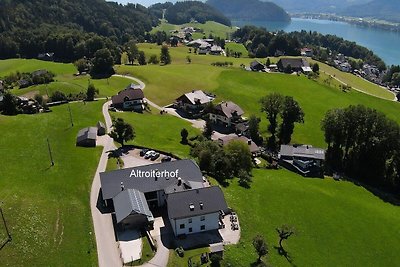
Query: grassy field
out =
(166, 83)
(157, 131)
(65, 81)
(210, 27)
(337, 223)
(239, 48)
(176, 261)
(47, 208)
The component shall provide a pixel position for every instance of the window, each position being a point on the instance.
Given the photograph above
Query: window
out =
(190, 220)
(202, 218)
(190, 229)
(203, 227)
(182, 226)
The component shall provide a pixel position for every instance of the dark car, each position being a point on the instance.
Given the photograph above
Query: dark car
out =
(143, 152)
(155, 156)
(166, 158)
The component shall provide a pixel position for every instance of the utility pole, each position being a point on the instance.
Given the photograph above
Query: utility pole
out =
(70, 115)
(5, 225)
(51, 155)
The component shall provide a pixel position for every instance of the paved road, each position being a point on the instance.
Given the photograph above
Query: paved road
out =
(107, 251)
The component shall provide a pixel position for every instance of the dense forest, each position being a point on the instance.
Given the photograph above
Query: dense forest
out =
(262, 43)
(250, 10)
(183, 12)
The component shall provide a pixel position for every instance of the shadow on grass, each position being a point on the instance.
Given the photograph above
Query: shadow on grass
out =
(8, 240)
(282, 252)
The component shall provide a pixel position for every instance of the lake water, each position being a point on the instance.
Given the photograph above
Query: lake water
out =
(385, 44)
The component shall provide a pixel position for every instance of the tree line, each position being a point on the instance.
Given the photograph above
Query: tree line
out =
(262, 43)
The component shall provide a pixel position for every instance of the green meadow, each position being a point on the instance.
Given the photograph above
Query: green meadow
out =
(47, 208)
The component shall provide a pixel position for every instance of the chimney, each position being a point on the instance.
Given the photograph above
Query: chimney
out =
(179, 181)
(201, 205)
(191, 207)
(122, 186)
(249, 142)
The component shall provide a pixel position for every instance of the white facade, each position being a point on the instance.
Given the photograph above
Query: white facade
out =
(196, 224)
(215, 118)
(135, 104)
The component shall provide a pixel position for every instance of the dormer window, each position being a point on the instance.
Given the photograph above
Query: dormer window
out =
(191, 207)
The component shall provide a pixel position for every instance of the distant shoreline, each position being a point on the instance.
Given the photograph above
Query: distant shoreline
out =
(363, 22)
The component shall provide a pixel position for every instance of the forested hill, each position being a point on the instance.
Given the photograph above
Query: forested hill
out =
(36, 26)
(250, 10)
(183, 12)
(379, 9)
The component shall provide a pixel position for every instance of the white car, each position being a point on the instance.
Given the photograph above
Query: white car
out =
(149, 154)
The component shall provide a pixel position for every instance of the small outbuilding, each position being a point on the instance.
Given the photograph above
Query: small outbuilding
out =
(87, 137)
(101, 128)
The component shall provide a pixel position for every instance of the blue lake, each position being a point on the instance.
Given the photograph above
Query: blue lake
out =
(384, 43)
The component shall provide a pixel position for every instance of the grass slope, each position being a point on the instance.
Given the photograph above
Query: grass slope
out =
(157, 131)
(337, 223)
(47, 208)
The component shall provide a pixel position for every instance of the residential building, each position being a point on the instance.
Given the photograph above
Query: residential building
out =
(216, 50)
(178, 185)
(257, 66)
(227, 113)
(296, 64)
(87, 137)
(254, 149)
(193, 103)
(131, 98)
(196, 210)
(306, 52)
(304, 159)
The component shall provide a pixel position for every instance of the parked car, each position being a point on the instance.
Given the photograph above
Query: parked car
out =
(149, 154)
(155, 156)
(143, 152)
(166, 158)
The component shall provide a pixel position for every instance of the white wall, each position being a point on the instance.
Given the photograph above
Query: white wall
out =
(210, 222)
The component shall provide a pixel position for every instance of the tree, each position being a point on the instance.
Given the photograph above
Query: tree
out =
(288, 69)
(103, 62)
(239, 155)
(207, 131)
(184, 136)
(261, 51)
(39, 98)
(165, 57)
(132, 51)
(271, 105)
(244, 178)
(122, 132)
(284, 232)
(315, 68)
(291, 113)
(58, 96)
(10, 106)
(396, 79)
(153, 59)
(82, 65)
(91, 92)
(215, 260)
(188, 59)
(142, 58)
(260, 246)
(268, 62)
(254, 129)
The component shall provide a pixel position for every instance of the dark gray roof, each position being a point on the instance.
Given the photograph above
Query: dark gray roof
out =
(87, 133)
(305, 151)
(228, 109)
(111, 181)
(131, 201)
(130, 94)
(179, 203)
(256, 64)
(100, 124)
(195, 97)
(294, 62)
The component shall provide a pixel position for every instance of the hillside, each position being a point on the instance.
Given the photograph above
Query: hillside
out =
(378, 9)
(316, 6)
(250, 10)
(184, 12)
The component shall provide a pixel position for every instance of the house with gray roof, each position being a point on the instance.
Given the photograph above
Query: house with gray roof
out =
(87, 137)
(177, 185)
(196, 210)
(304, 159)
(254, 149)
(131, 98)
(227, 114)
(296, 64)
(194, 102)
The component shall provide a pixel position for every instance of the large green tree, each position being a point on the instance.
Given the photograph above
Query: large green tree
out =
(260, 245)
(271, 105)
(165, 57)
(291, 113)
(122, 132)
(10, 104)
(103, 62)
(239, 155)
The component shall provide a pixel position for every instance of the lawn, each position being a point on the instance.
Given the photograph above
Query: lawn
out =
(210, 27)
(176, 261)
(337, 223)
(157, 131)
(47, 208)
(235, 47)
